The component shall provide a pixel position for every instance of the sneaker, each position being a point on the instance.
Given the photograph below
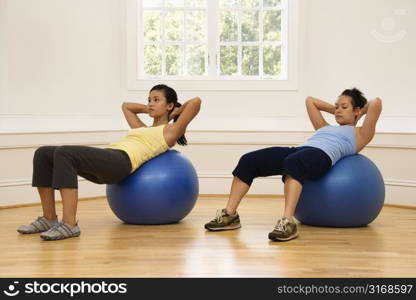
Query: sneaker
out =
(284, 231)
(61, 231)
(41, 224)
(224, 221)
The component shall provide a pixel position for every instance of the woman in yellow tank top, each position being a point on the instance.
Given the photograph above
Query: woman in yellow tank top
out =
(57, 167)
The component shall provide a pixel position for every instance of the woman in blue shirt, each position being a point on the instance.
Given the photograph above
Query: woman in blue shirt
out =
(309, 160)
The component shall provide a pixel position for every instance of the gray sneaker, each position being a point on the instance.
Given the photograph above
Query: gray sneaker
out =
(41, 224)
(284, 231)
(224, 221)
(61, 231)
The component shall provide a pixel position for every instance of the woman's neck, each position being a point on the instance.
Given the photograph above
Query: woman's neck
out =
(160, 121)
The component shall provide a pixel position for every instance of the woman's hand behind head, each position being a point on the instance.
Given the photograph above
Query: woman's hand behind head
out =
(174, 113)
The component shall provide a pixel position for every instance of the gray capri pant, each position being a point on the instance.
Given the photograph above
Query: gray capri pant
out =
(58, 166)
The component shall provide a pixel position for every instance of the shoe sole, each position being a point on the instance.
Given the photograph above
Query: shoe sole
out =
(25, 232)
(222, 228)
(47, 238)
(283, 239)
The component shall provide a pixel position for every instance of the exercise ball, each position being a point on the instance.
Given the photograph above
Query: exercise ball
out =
(161, 191)
(350, 194)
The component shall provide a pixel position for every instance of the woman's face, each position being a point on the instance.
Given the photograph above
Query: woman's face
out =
(345, 114)
(157, 104)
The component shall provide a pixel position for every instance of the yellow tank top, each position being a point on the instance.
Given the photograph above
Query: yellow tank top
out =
(142, 144)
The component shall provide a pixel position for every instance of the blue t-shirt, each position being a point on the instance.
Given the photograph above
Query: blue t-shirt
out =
(336, 141)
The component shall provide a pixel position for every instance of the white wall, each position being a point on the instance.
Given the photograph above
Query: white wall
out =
(369, 44)
(3, 56)
(64, 64)
(66, 67)
(63, 68)
(340, 46)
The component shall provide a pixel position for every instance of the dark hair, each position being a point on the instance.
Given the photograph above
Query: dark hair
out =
(171, 97)
(358, 99)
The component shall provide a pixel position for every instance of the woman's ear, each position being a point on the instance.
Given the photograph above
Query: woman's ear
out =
(357, 114)
(171, 106)
(357, 111)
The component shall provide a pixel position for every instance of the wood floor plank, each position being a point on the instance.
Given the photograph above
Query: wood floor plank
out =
(109, 248)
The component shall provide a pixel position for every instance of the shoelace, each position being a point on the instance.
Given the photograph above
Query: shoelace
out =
(55, 227)
(36, 221)
(218, 217)
(281, 225)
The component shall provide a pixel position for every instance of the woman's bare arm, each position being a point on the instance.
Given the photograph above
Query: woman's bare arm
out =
(314, 107)
(130, 111)
(186, 113)
(372, 111)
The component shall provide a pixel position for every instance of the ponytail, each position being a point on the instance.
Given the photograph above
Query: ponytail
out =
(182, 140)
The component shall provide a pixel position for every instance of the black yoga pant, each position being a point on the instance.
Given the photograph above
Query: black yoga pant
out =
(58, 166)
(298, 162)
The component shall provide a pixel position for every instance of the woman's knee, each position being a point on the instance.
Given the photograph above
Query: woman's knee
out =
(44, 152)
(245, 169)
(291, 161)
(247, 160)
(63, 153)
(66, 149)
(293, 165)
(301, 169)
(242, 170)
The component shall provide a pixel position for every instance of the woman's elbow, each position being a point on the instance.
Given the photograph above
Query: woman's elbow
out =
(378, 103)
(197, 101)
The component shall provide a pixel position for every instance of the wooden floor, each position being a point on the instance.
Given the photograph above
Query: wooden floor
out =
(109, 248)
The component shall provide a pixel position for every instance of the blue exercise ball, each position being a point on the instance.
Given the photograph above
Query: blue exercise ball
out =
(161, 191)
(350, 194)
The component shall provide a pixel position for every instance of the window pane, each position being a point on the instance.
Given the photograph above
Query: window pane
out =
(271, 60)
(272, 25)
(271, 3)
(250, 26)
(250, 3)
(152, 3)
(228, 60)
(196, 26)
(173, 60)
(228, 26)
(229, 3)
(174, 3)
(180, 48)
(152, 26)
(152, 60)
(250, 63)
(174, 25)
(195, 60)
(195, 3)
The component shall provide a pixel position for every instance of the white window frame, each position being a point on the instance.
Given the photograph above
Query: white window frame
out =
(288, 81)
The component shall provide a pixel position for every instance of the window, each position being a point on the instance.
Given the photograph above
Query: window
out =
(249, 42)
(173, 38)
(219, 43)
